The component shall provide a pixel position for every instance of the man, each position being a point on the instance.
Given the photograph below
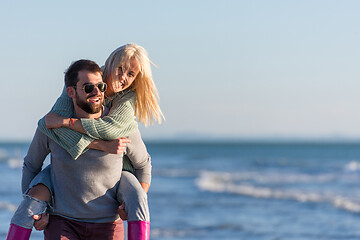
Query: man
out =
(84, 190)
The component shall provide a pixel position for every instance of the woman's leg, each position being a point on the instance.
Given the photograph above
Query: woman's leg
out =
(35, 202)
(136, 206)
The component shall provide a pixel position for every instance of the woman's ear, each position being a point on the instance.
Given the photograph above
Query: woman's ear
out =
(70, 91)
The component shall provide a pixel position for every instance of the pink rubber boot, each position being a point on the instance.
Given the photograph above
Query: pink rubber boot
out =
(18, 233)
(138, 230)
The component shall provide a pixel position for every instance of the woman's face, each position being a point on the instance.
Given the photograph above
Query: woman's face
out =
(125, 77)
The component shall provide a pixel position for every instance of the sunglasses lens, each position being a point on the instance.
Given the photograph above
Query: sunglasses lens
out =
(89, 88)
(102, 87)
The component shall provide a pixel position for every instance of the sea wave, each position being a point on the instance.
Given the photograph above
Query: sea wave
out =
(175, 172)
(12, 162)
(353, 166)
(269, 177)
(8, 206)
(3, 154)
(15, 162)
(227, 182)
(171, 233)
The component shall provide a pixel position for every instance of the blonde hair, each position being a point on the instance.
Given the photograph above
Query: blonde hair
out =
(146, 108)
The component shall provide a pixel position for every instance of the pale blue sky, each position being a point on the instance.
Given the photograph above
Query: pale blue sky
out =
(226, 68)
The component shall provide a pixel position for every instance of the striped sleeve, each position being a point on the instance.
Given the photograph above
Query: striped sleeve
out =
(120, 122)
(73, 142)
(63, 105)
(127, 166)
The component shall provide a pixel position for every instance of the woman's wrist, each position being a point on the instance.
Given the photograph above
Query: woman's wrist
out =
(66, 122)
(70, 122)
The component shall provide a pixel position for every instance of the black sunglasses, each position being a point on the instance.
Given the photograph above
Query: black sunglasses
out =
(88, 88)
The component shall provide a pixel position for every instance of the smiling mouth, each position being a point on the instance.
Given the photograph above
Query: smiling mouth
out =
(120, 85)
(94, 99)
(123, 84)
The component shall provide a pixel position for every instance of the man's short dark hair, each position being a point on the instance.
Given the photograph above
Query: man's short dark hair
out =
(71, 74)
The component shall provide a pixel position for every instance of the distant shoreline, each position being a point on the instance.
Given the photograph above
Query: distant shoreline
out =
(227, 141)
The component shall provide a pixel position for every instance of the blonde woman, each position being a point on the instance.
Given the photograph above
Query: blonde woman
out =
(131, 94)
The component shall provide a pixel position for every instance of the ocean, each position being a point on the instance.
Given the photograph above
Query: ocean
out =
(235, 190)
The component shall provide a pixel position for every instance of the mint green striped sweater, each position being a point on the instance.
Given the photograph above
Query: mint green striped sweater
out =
(120, 122)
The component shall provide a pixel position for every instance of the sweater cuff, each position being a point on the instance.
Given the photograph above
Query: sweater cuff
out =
(145, 178)
(80, 147)
(42, 124)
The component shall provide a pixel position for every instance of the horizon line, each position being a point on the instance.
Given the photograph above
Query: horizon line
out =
(248, 139)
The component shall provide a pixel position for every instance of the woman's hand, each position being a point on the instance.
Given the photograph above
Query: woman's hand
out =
(54, 120)
(41, 221)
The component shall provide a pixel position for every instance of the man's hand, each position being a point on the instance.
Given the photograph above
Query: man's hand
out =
(41, 221)
(122, 212)
(116, 146)
(54, 120)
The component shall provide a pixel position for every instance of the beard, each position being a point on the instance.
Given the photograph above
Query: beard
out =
(89, 107)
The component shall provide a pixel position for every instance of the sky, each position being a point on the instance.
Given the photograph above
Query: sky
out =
(230, 69)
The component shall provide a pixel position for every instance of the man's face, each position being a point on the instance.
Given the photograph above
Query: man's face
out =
(89, 102)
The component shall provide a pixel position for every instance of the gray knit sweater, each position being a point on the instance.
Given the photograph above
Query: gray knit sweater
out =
(85, 189)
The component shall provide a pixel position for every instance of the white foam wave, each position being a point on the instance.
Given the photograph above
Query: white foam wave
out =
(15, 162)
(12, 162)
(271, 178)
(8, 206)
(223, 182)
(175, 172)
(352, 166)
(170, 233)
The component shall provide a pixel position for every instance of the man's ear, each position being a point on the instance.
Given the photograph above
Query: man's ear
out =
(70, 91)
